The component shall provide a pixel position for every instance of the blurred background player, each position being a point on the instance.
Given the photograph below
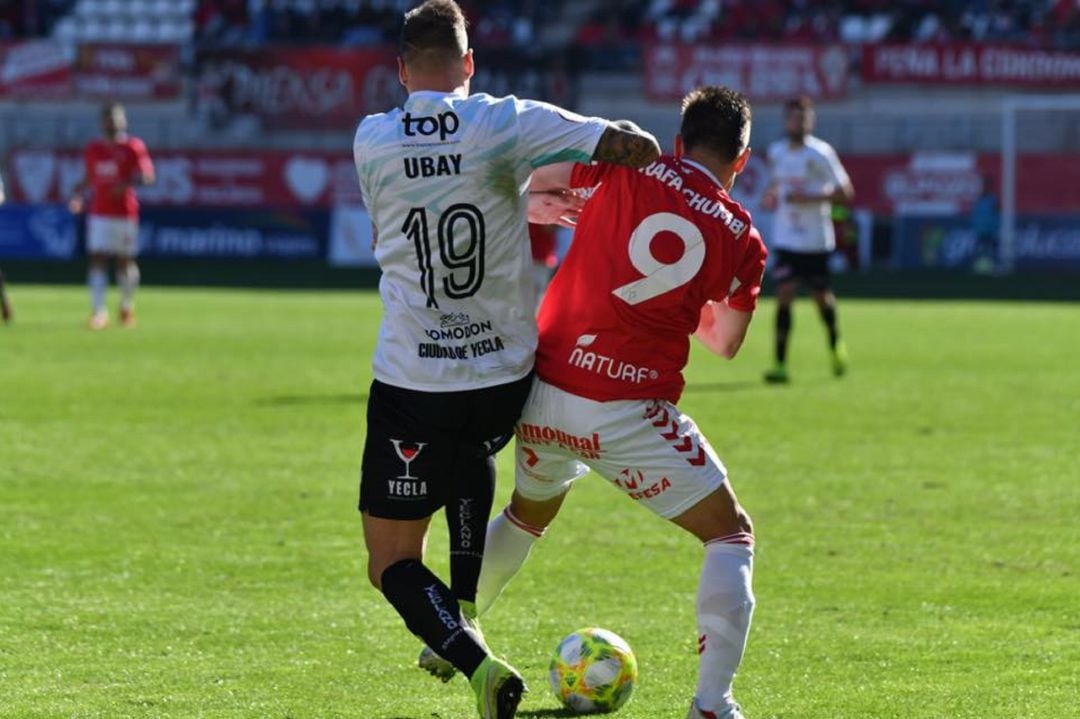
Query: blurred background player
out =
(443, 177)
(806, 178)
(5, 305)
(659, 254)
(115, 165)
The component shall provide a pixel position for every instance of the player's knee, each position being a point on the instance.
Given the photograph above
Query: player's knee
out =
(375, 569)
(535, 513)
(743, 521)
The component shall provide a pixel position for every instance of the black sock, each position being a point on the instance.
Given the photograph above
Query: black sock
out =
(431, 613)
(466, 518)
(783, 328)
(828, 316)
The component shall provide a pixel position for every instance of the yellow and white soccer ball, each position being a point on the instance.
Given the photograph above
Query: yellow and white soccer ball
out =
(593, 671)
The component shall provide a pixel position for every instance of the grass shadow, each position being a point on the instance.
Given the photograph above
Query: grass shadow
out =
(549, 713)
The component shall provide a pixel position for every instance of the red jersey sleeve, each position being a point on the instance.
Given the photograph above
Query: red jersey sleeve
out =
(744, 296)
(589, 175)
(143, 163)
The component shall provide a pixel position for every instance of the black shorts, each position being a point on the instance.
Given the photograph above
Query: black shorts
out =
(421, 447)
(810, 268)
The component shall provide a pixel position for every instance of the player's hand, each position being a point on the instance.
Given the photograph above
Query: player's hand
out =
(76, 204)
(556, 207)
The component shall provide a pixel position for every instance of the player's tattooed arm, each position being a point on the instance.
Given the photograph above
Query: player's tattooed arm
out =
(624, 143)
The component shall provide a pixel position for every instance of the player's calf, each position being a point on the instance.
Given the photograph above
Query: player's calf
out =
(725, 599)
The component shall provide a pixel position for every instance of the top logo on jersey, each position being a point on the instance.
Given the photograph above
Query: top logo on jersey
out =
(444, 124)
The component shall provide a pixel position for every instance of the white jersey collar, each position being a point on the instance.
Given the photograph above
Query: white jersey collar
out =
(702, 168)
(434, 93)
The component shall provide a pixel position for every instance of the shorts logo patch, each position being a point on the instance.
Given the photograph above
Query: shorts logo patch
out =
(588, 447)
(407, 452)
(633, 482)
(407, 486)
(530, 457)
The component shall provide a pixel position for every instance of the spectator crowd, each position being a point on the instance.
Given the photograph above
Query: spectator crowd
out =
(614, 24)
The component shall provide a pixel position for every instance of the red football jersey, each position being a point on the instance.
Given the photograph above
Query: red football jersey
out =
(108, 166)
(652, 246)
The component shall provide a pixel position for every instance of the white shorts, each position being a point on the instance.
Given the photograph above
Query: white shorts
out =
(652, 452)
(112, 236)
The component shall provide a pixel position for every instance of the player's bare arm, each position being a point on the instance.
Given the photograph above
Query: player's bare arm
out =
(624, 143)
(723, 329)
(551, 177)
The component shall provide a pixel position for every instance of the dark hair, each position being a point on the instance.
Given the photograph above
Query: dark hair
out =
(434, 33)
(110, 107)
(802, 102)
(716, 118)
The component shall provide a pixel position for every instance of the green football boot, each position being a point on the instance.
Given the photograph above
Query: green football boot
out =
(498, 688)
(839, 359)
(777, 375)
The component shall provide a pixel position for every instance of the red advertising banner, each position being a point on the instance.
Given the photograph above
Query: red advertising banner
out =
(923, 183)
(943, 183)
(959, 64)
(764, 72)
(128, 72)
(299, 87)
(38, 68)
(201, 178)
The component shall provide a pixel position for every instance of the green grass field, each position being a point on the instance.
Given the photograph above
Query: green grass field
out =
(178, 533)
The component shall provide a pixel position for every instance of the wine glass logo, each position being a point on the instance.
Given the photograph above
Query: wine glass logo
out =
(406, 452)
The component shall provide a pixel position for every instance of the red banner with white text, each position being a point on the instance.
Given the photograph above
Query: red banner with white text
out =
(960, 64)
(48, 70)
(36, 68)
(945, 183)
(764, 72)
(886, 184)
(201, 178)
(317, 87)
(128, 72)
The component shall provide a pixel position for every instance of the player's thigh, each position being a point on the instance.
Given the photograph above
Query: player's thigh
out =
(658, 457)
(111, 236)
(545, 462)
(490, 415)
(128, 239)
(815, 273)
(408, 461)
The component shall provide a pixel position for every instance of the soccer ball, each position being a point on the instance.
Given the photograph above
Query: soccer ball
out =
(593, 671)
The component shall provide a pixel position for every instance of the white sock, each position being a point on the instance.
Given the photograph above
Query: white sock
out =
(129, 282)
(98, 280)
(508, 543)
(725, 603)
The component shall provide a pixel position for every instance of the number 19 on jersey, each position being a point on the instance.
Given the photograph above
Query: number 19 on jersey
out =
(460, 240)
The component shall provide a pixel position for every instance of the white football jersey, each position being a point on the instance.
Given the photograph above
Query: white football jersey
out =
(812, 167)
(445, 179)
